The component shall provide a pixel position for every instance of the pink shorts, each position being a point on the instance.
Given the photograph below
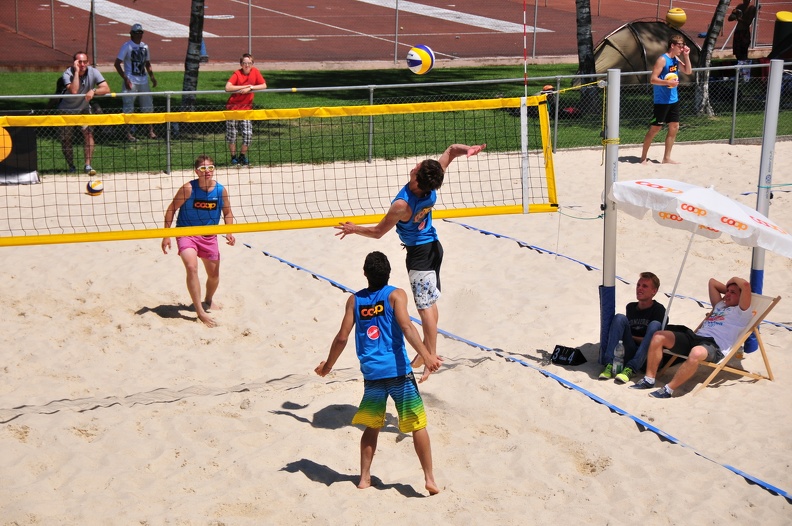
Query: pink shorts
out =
(205, 246)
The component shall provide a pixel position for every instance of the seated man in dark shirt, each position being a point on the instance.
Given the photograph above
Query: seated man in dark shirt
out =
(635, 329)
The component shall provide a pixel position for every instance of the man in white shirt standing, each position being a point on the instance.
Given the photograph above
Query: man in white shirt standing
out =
(133, 64)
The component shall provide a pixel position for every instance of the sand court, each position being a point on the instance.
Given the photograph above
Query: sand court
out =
(117, 406)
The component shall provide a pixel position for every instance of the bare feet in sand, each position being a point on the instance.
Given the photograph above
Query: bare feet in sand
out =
(207, 320)
(206, 307)
(432, 488)
(211, 305)
(431, 485)
(670, 161)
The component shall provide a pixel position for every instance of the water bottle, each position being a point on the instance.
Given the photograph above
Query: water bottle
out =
(618, 358)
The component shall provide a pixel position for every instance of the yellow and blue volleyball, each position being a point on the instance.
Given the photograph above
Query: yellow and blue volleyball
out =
(94, 187)
(671, 76)
(420, 59)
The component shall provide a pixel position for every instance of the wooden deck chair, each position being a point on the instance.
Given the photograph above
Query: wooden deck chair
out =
(761, 306)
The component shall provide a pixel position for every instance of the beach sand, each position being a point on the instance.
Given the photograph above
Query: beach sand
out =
(117, 407)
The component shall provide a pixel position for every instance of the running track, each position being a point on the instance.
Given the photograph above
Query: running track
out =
(359, 31)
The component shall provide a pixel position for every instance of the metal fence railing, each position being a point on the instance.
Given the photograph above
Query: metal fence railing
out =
(735, 112)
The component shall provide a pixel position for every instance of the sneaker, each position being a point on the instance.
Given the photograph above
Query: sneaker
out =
(660, 393)
(643, 384)
(72, 169)
(243, 160)
(607, 373)
(234, 161)
(89, 170)
(624, 376)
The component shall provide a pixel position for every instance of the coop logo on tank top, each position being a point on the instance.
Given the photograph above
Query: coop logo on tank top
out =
(420, 216)
(204, 205)
(369, 311)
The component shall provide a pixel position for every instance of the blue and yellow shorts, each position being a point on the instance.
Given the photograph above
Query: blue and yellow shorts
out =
(404, 392)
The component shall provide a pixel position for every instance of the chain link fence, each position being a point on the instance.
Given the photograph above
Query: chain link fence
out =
(735, 113)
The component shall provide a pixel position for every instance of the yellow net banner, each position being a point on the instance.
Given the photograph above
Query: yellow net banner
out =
(309, 167)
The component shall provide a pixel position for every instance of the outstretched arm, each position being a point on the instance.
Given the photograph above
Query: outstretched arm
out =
(399, 211)
(455, 150)
(340, 340)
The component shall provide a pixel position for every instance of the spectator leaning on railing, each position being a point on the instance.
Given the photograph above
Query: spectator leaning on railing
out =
(80, 78)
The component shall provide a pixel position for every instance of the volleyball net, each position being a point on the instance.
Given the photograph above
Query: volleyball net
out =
(310, 167)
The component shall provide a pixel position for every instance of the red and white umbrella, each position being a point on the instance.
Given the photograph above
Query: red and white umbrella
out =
(702, 211)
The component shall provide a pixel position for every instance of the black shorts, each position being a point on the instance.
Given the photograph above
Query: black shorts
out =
(427, 257)
(665, 113)
(686, 340)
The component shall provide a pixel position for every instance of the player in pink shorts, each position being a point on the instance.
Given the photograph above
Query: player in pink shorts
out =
(205, 246)
(200, 202)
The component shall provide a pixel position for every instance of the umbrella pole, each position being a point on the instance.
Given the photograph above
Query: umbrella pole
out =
(676, 283)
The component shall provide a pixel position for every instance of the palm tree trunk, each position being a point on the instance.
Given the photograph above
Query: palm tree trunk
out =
(193, 59)
(702, 100)
(589, 101)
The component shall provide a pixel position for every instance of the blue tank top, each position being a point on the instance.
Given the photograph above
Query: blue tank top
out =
(664, 94)
(378, 337)
(418, 230)
(202, 208)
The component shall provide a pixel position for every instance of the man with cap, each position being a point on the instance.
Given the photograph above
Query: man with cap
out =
(133, 63)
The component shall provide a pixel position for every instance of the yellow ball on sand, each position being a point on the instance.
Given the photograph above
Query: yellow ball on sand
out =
(94, 187)
(676, 17)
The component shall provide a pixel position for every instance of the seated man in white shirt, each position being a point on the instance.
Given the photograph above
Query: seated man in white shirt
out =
(731, 313)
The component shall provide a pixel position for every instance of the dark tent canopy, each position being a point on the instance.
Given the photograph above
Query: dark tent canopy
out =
(636, 46)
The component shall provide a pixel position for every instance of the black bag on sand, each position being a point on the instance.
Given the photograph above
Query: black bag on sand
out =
(567, 356)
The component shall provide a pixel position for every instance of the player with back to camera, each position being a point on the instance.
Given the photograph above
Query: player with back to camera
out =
(379, 315)
(666, 95)
(411, 213)
(200, 202)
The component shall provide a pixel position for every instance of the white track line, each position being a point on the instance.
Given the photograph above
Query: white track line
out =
(455, 16)
(152, 24)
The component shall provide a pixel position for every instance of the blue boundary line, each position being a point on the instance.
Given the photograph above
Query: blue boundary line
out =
(499, 352)
(523, 244)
